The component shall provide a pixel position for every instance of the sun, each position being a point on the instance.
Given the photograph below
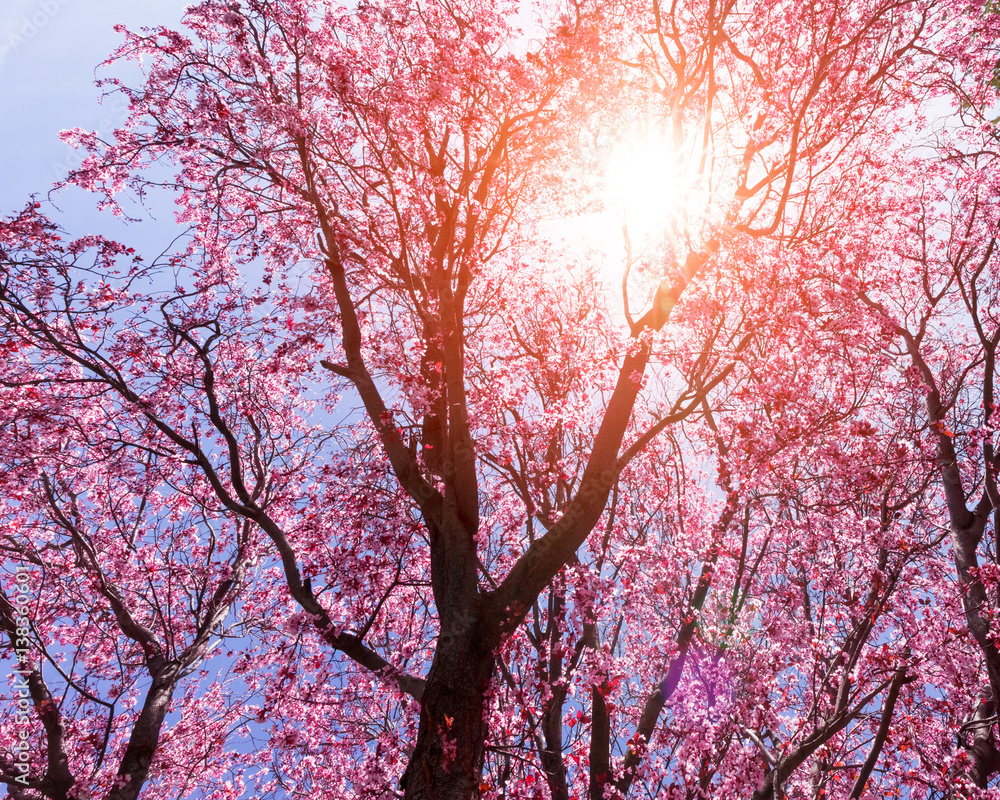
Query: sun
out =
(648, 192)
(646, 186)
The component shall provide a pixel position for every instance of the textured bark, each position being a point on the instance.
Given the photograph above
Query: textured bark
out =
(448, 756)
(447, 761)
(600, 743)
(552, 760)
(981, 756)
(968, 526)
(552, 716)
(145, 736)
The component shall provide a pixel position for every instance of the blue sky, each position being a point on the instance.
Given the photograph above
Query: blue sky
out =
(48, 53)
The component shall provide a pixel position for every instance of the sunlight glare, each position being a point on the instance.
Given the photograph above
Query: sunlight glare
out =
(646, 187)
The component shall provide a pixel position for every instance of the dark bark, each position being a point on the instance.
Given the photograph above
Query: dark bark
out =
(472, 623)
(881, 735)
(967, 525)
(552, 734)
(600, 743)
(967, 529)
(58, 779)
(983, 761)
(549, 553)
(447, 761)
(552, 717)
(445, 767)
(795, 757)
(145, 736)
(982, 758)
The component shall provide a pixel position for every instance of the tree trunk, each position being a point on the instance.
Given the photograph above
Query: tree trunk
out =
(552, 754)
(142, 744)
(447, 762)
(980, 758)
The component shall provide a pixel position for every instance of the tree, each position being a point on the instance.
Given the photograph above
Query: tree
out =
(945, 334)
(559, 547)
